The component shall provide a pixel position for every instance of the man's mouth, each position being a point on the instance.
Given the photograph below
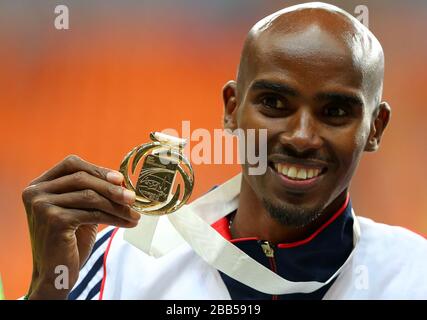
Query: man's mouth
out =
(299, 175)
(295, 172)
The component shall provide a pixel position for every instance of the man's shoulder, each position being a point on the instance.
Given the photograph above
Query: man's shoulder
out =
(393, 247)
(389, 262)
(391, 237)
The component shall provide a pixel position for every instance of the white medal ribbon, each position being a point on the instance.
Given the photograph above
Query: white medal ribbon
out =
(157, 236)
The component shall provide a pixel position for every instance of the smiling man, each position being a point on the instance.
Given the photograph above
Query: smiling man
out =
(311, 75)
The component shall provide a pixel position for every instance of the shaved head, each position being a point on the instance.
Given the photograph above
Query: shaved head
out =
(312, 75)
(308, 29)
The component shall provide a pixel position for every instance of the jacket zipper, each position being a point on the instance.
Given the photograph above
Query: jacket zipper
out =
(269, 253)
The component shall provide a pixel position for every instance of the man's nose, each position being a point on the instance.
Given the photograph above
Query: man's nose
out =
(301, 132)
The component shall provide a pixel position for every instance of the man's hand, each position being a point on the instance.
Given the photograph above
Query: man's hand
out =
(64, 207)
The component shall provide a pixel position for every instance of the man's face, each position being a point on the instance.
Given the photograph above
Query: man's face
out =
(307, 91)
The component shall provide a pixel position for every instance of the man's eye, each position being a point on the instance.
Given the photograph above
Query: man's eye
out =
(272, 102)
(335, 112)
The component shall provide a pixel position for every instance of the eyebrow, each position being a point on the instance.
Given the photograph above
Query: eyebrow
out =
(273, 86)
(349, 98)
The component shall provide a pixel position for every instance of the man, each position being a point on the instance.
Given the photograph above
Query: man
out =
(311, 75)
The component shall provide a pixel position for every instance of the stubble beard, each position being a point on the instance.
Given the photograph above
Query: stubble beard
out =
(292, 215)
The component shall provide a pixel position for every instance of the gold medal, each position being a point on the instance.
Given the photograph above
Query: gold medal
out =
(164, 166)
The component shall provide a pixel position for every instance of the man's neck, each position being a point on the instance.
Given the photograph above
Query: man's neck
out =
(253, 220)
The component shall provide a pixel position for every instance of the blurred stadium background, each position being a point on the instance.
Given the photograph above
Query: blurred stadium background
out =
(126, 68)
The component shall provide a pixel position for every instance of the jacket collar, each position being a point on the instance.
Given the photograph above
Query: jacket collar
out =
(315, 258)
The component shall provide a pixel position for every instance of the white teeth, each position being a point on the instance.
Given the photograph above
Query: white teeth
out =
(302, 174)
(292, 173)
(296, 174)
(285, 170)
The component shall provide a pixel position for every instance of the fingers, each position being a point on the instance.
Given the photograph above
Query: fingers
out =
(89, 199)
(81, 180)
(58, 218)
(72, 164)
(99, 217)
(72, 194)
(91, 192)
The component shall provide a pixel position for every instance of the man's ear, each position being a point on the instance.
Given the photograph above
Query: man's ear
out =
(378, 126)
(229, 95)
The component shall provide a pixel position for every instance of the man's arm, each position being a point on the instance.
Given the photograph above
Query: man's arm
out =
(64, 207)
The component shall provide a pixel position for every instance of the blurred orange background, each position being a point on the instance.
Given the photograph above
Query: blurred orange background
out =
(125, 68)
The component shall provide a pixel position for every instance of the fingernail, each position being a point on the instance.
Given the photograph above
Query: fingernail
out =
(135, 215)
(129, 196)
(115, 177)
